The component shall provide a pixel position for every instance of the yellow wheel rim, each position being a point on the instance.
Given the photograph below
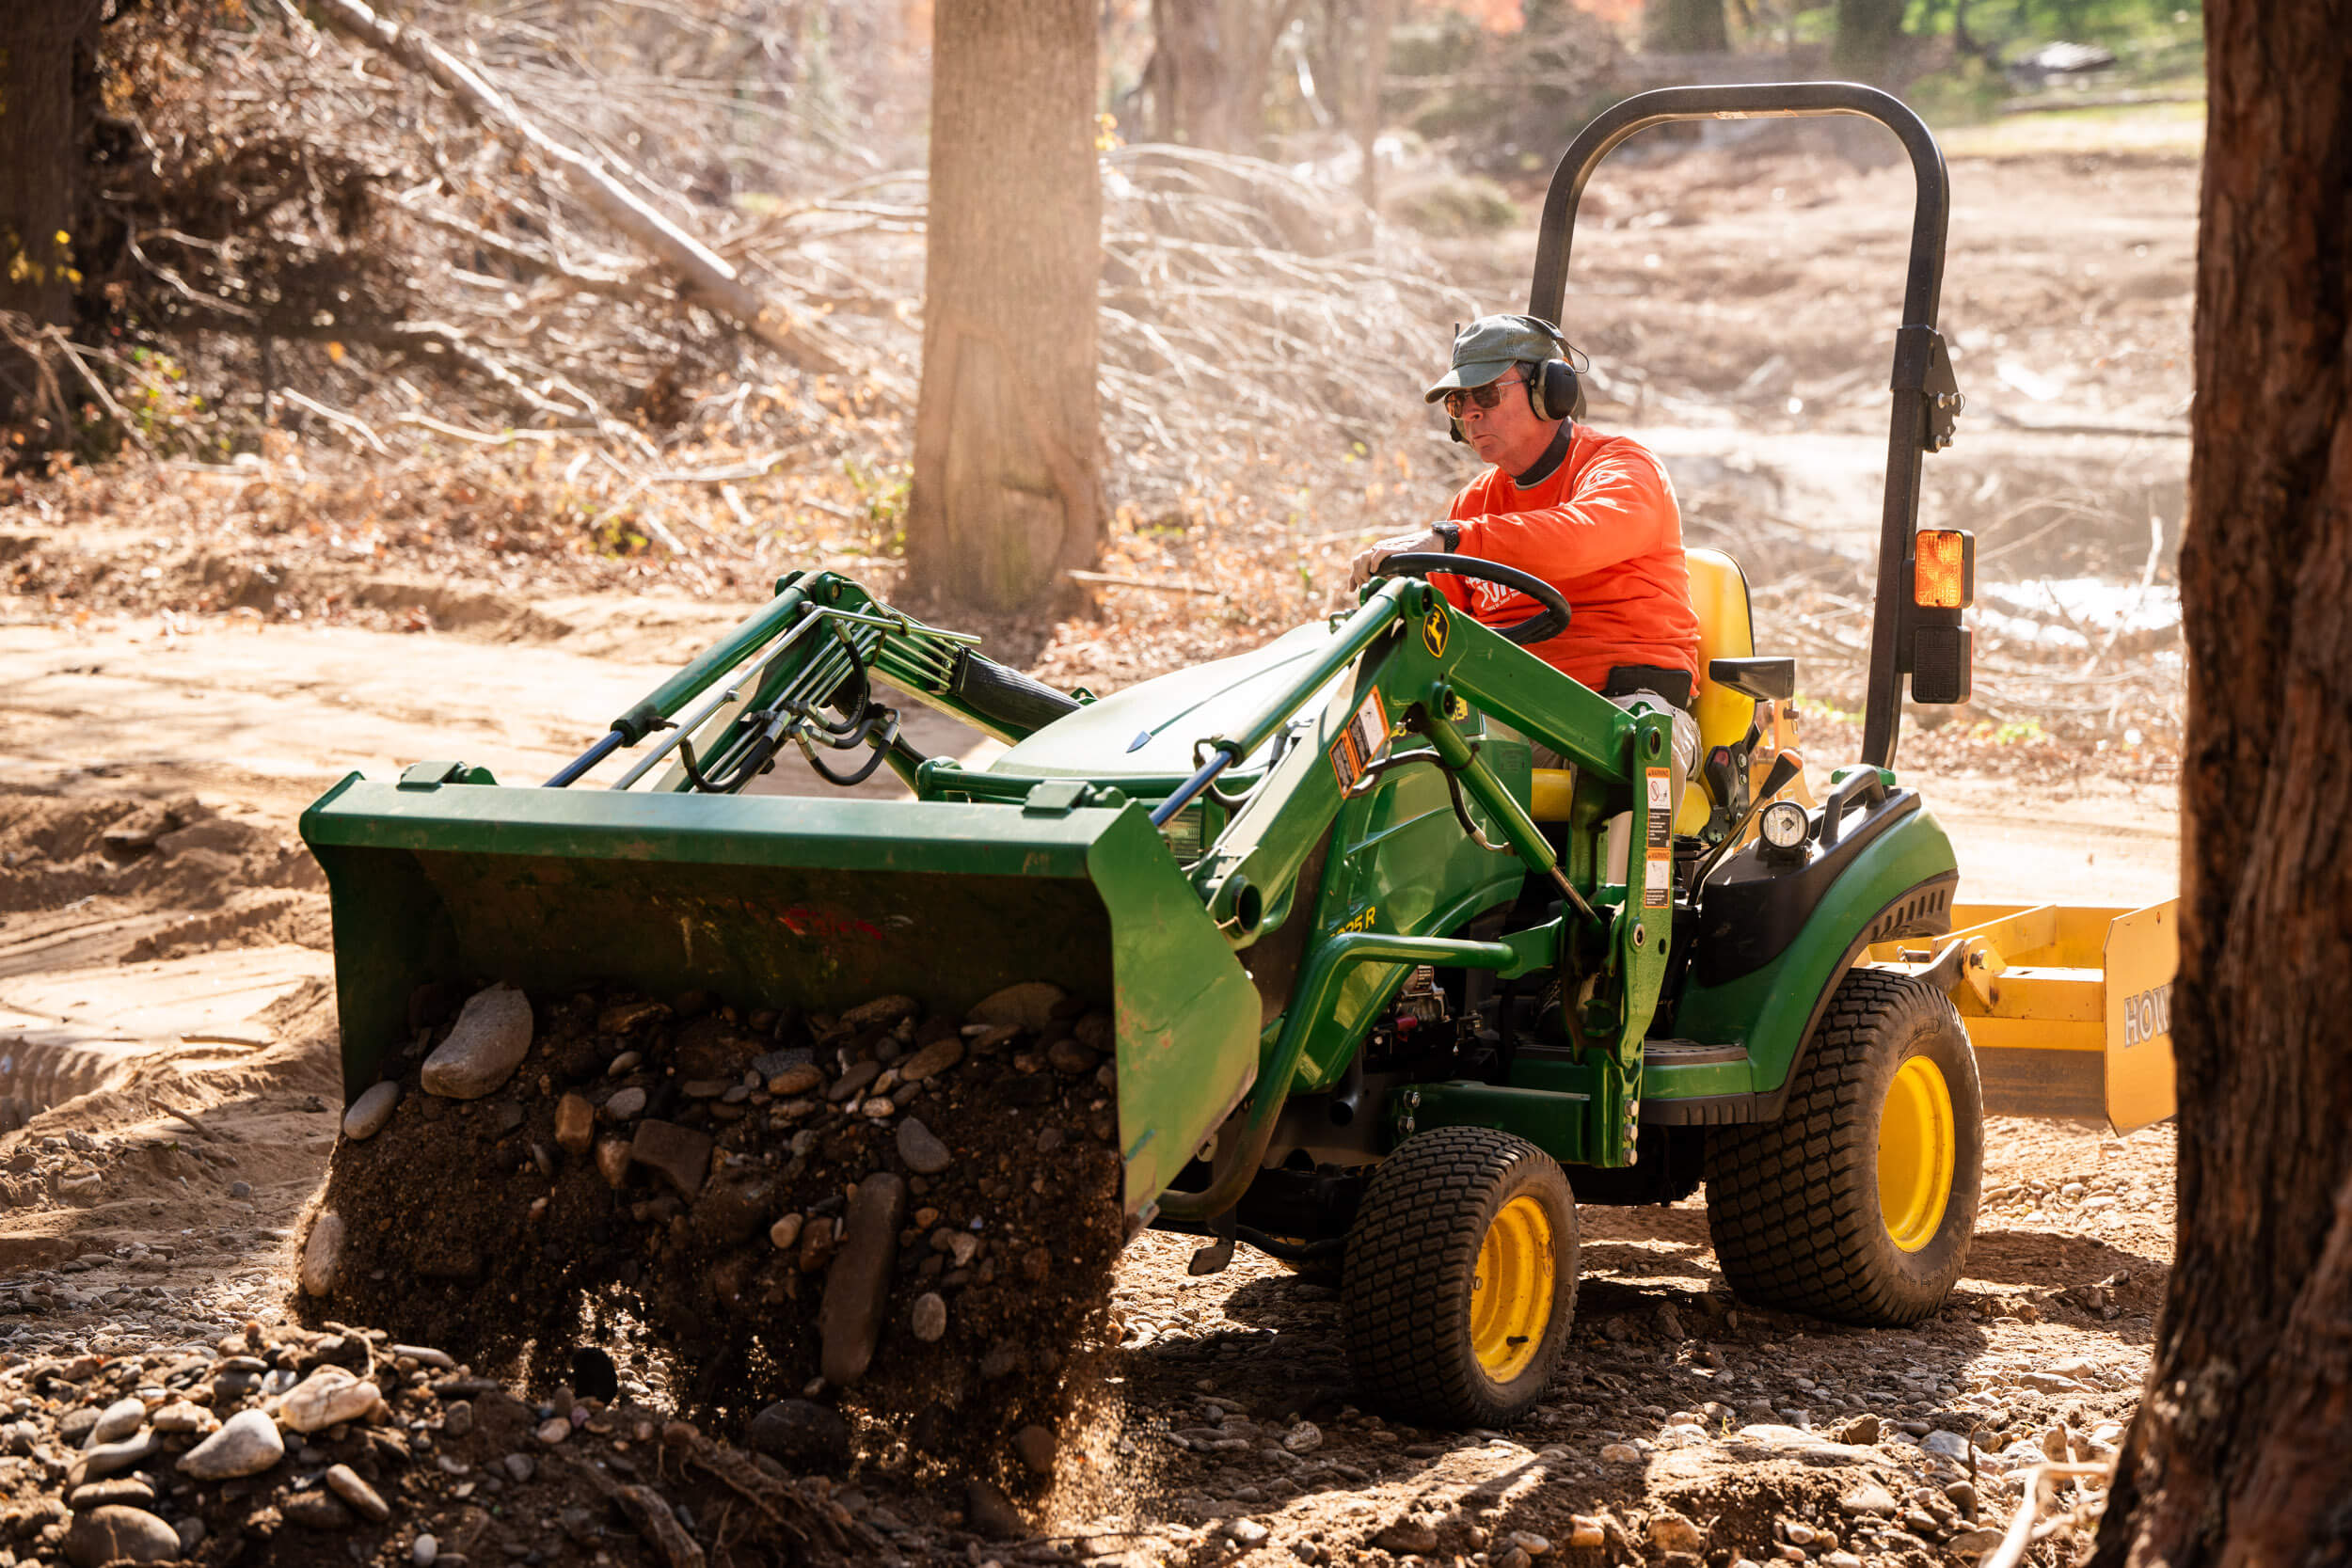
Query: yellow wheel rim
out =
(1917, 1146)
(1511, 1297)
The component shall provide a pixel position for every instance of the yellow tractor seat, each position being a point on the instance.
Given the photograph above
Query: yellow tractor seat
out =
(1731, 679)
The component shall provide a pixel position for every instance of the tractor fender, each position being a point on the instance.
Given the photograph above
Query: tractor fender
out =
(1898, 881)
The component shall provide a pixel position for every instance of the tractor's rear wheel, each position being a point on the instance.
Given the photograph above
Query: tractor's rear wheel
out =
(1459, 1282)
(1858, 1204)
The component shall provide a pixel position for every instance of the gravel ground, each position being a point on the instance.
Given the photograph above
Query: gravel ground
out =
(1223, 1424)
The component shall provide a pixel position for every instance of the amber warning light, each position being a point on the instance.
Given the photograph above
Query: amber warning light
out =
(1945, 573)
(1942, 654)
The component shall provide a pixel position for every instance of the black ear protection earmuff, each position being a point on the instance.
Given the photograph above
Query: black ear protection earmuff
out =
(1554, 390)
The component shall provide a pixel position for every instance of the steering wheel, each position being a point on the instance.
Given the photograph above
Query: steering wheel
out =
(1547, 623)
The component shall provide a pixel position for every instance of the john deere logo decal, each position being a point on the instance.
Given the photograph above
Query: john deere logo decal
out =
(1433, 632)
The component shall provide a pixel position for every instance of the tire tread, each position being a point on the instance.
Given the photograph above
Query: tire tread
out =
(1792, 1225)
(1410, 1258)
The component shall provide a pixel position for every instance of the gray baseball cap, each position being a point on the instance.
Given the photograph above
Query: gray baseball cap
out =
(1491, 345)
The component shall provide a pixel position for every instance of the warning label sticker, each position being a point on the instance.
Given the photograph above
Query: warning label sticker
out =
(1658, 881)
(1659, 816)
(1662, 788)
(1360, 743)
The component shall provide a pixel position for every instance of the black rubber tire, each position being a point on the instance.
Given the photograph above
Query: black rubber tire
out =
(1793, 1205)
(1411, 1266)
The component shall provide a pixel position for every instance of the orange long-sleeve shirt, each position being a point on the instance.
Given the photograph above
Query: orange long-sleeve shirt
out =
(1604, 529)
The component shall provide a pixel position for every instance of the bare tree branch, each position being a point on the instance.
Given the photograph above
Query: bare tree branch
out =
(704, 273)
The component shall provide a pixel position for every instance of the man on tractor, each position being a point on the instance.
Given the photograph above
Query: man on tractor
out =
(1593, 514)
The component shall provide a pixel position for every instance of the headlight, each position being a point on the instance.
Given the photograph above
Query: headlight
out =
(1784, 824)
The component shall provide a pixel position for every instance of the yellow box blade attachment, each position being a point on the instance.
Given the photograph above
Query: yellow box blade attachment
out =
(2068, 1009)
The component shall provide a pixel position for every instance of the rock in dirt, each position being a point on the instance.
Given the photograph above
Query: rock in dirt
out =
(797, 1077)
(106, 1459)
(181, 1416)
(1673, 1534)
(130, 1491)
(1863, 1431)
(119, 1420)
(802, 1435)
(120, 1534)
(370, 1112)
(247, 1444)
(1406, 1536)
(681, 1154)
(321, 1253)
(1069, 1059)
(324, 1398)
(990, 1513)
(884, 1012)
(364, 1499)
(1030, 1005)
(921, 1148)
(1620, 1454)
(1868, 1498)
(1037, 1448)
(613, 1161)
(487, 1043)
(316, 1511)
(933, 1059)
(786, 1233)
(857, 1283)
(930, 1317)
(574, 1124)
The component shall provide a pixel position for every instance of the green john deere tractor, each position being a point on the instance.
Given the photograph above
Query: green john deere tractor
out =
(1386, 994)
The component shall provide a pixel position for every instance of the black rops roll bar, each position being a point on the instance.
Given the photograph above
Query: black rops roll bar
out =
(1926, 397)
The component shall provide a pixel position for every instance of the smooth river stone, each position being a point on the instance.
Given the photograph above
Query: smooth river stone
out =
(370, 1112)
(487, 1043)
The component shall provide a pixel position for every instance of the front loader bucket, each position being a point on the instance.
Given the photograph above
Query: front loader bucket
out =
(770, 901)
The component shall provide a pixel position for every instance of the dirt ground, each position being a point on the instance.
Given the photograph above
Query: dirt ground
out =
(167, 1062)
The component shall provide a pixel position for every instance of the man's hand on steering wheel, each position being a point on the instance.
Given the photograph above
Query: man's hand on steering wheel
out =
(1399, 554)
(1427, 542)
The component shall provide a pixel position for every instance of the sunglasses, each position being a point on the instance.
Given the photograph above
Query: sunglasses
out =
(1481, 398)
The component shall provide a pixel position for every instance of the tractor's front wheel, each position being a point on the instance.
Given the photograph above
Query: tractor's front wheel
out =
(1459, 1281)
(1858, 1204)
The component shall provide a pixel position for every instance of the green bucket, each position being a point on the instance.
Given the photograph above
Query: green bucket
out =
(771, 901)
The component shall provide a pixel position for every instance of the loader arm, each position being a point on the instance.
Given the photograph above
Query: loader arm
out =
(1407, 683)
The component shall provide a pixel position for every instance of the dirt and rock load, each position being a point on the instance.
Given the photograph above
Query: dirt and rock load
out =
(286, 1446)
(819, 1232)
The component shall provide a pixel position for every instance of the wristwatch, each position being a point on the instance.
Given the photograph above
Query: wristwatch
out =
(1451, 534)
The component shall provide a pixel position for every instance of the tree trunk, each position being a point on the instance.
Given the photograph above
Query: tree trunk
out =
(1207, 77)
(1867, 33)
(1008, 488)
(2242, 1450)
(41, 169)
(1192, 60)
(1685, 27)
(1380, 21)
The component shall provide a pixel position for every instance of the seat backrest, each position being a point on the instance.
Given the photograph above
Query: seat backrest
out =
(1719, 592)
